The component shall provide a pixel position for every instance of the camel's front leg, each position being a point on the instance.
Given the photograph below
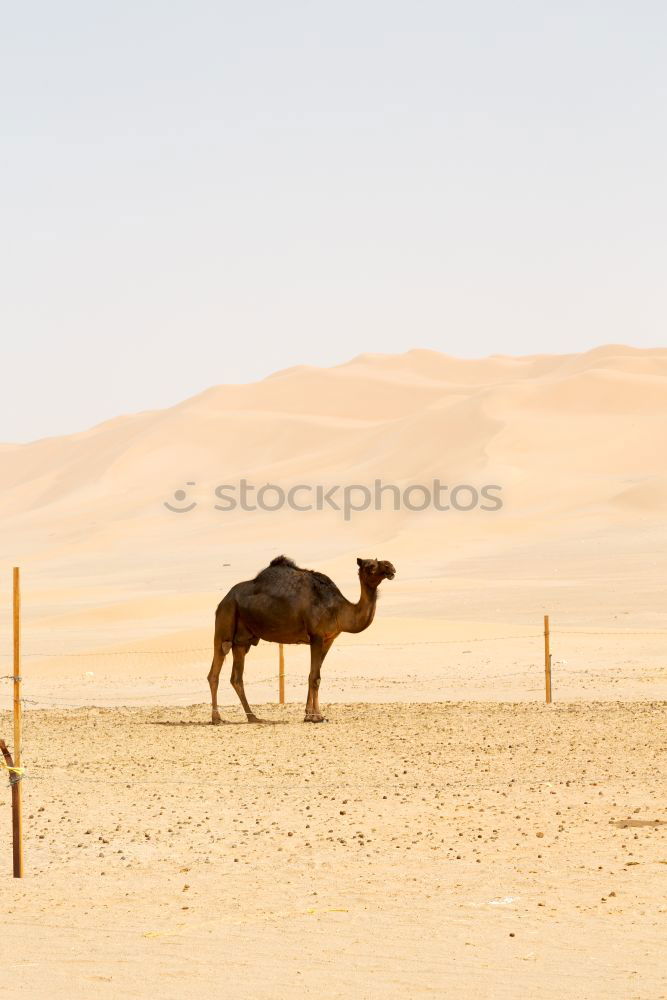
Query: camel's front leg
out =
(318, 650)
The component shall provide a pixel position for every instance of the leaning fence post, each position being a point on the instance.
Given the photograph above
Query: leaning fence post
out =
(15, 782)
(547, 660)
(281, 674)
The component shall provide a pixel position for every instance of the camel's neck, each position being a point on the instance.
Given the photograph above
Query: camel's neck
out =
(358, 616)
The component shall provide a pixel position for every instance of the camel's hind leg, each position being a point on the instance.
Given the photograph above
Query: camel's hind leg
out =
(213, 678)
(220, 650)
(236, 680)
(225, 624)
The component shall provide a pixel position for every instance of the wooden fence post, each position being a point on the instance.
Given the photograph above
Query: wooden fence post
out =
(281, 674)
(17, 788)
(547, 660)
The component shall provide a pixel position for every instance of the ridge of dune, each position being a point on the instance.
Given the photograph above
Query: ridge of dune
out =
(573, 441)
(397, 412)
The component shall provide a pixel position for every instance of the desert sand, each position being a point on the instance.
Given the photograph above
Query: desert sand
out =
(471, 849)
(167, 856)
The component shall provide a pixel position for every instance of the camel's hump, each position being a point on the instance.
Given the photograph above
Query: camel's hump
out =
(283, 561)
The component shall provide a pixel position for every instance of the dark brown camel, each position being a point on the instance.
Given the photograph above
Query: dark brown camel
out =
(290, 605)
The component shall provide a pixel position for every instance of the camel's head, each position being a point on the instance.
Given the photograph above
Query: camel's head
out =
(374, 571)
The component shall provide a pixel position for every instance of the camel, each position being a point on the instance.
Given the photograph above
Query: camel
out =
(290, 605)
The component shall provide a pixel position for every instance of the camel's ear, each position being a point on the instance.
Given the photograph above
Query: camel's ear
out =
(360, 562)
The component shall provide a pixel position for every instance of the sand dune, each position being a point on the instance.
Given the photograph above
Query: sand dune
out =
(297, 421)
(575, 441)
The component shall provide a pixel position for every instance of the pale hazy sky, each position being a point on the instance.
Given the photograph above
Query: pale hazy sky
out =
(203, 192)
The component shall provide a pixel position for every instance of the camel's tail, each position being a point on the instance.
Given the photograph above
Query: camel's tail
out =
(225, 626)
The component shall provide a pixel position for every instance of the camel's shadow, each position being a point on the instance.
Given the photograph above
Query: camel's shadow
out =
(208, 725)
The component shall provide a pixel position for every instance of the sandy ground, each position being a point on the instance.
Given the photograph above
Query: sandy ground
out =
(475, 849)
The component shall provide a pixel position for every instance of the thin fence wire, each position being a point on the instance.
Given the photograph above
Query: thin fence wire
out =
(611, 634)
(343, 647)
(207, 649)
(55, 701)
